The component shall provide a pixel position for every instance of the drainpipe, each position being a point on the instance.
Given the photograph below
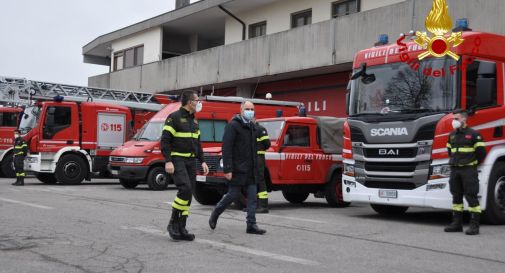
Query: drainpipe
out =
(236, 18)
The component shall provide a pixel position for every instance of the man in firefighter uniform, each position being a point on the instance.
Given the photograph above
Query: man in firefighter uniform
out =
(263, 143)
(466, 150)
(20, 152)
(180, 145)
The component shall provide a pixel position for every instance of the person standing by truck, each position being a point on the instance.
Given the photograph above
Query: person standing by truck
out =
(240, 166)
(20, 152)
(263, 143)
(466, 151)
(180, 145)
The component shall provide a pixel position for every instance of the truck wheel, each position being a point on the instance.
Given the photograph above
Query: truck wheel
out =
(333, 192)
(8, 166)
(71, 170)
(389, 210)
(495, 208)
(206, 195)
(158, 179)
(295, 197)
(46, 178)
(128, 184)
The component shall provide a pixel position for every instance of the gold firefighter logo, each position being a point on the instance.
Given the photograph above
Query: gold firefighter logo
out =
(439, 23)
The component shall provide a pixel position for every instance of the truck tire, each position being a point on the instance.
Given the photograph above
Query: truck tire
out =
(71, 170)
(495, 207)
(46, 178)
(8, 166)
(206, 195)
(128, 184)
(295, 197)
(158, 179)
(333, 191)
(387, 210)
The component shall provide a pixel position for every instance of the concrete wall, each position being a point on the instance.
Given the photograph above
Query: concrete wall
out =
(101, 81)
(151, 39)
(278, 15)
(325, 44)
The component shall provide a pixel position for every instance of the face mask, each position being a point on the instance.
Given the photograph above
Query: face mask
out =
(198, 107)
(456, 124)
(249, 114)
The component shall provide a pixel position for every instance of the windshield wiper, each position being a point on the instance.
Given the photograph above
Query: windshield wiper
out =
(416, 110)
(366, 114)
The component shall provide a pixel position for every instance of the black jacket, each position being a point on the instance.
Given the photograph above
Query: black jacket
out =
(239, 151)
(466, 148)
(262, 139)
(181, 136)
(20, 147)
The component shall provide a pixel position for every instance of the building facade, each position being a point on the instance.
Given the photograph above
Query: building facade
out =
(299, 50)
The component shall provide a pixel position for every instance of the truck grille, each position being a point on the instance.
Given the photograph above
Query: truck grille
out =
(390, 167)
(357, 135)
(211, 160)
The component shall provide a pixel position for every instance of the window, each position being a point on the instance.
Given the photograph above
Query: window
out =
(258, 29)
(301, 18)
(297, 136)
(481, 76)
(129, 58)
(57, 119)
(8, 119)
(212, 130)
(345, 7)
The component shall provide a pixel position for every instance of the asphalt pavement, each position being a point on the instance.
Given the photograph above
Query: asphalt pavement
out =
(102, 227)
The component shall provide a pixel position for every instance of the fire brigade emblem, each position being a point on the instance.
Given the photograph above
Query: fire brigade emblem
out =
(105, 127)
(439, 24)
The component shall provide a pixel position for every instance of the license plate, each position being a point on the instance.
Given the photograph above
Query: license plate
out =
(201, 178)
(388, 194)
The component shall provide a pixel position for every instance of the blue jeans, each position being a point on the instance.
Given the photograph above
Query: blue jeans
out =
(233, 194)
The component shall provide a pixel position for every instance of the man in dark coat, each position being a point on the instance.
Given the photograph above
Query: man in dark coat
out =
(240, 166)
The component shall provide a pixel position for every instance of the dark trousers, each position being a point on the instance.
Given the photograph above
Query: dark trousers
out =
(19, 166)
(464, 182)
(184, 177)
(233, 194)
(262, 185)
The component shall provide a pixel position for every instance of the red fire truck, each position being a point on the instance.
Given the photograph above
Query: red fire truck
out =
(304, 158)
(9, 119)
(71, 130)
(400, 108)
(140, 160)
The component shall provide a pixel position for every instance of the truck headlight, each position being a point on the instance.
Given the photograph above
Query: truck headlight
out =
(349, 170)
(31, 159)
(440, 171)
(134, 160)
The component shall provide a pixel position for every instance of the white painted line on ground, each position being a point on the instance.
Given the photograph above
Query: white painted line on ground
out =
(294, 218)
(227, 246)
(25, 203)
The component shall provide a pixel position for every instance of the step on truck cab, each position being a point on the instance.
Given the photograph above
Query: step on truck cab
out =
(395, 153)
(9, 120)
(140, 160)
(305, 157)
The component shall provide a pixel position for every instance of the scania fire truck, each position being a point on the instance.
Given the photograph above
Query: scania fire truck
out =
(71, 130)
(140, 160)
(395, 153)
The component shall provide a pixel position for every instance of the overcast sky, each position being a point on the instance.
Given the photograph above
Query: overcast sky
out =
(43, 39)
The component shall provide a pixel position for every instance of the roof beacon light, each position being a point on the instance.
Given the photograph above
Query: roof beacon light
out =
(462, 25)
(383, 40)
(58, 98)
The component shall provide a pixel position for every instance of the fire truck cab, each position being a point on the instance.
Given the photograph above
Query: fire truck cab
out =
(9, 119)
(395, 153)
(304, 158)
(140, 160)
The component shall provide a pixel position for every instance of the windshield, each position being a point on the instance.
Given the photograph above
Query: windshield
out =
(150, 132)
(400, 88)
(29, 119)
(274, 128)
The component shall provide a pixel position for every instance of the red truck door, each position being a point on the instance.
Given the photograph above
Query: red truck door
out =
(297, 156)
(60, 127)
